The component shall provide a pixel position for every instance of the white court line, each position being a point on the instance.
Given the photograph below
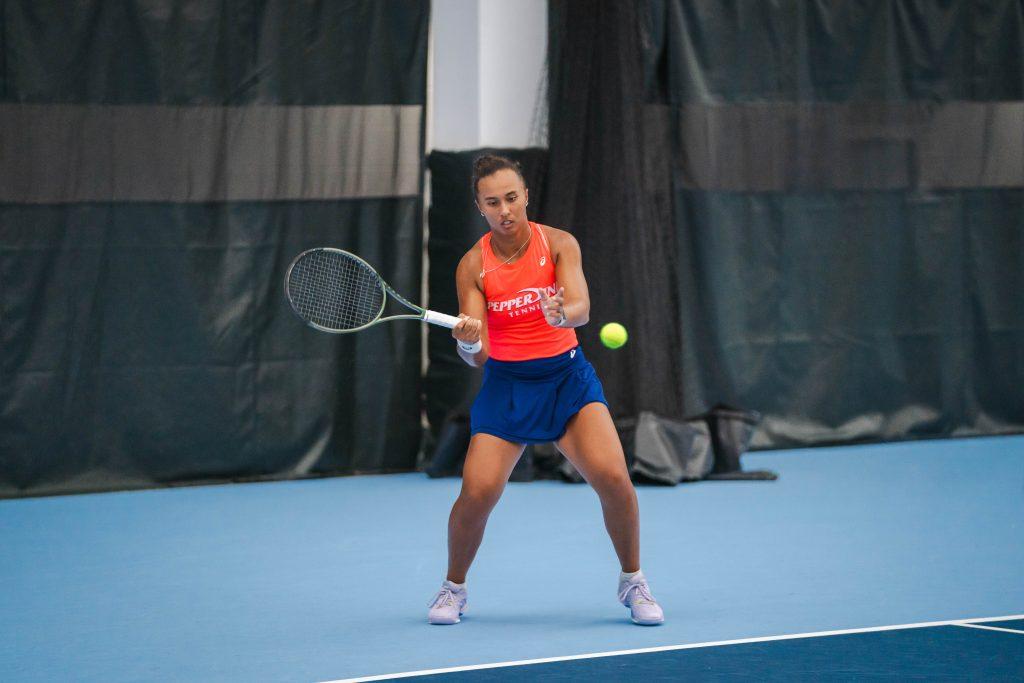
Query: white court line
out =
(991, 628)
(667, 648)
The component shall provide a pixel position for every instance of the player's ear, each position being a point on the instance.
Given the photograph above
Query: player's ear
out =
(526, 195)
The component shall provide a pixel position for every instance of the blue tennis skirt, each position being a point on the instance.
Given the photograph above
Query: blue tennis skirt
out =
(531, 401)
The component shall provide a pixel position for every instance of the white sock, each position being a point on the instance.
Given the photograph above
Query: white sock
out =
(624, 577)
(457, 586)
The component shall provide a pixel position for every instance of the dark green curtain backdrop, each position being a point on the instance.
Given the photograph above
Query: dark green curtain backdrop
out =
(160, 165)
(810, 209)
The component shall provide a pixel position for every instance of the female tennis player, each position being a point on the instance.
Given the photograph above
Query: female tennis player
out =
(521, 293)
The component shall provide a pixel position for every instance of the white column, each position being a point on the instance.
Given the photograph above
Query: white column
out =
(513, 42)
(487, 68)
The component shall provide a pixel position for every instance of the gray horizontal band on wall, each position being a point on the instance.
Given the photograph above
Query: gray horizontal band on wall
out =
(857, 146)
(59, 153)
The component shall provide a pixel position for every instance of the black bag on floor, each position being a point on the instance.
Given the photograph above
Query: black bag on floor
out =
(452, 444)
(547, 462)
(731, 430)
(660, 450)
(524, 469)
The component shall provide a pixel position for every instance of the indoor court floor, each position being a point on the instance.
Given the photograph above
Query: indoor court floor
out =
(895, 560)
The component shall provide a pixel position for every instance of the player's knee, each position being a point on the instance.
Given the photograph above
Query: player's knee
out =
(613, 482)
(481, 496)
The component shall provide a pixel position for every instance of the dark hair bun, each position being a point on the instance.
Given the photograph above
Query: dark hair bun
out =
(489, 164)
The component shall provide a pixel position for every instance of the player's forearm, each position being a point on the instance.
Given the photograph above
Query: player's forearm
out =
(577, 313)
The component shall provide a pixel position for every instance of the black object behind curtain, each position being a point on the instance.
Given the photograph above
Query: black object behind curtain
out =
(159, 168)
(812, 210)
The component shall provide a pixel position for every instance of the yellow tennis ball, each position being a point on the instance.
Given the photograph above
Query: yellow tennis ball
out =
(613, 335)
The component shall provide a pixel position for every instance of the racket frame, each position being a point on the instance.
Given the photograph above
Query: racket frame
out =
(421, 313)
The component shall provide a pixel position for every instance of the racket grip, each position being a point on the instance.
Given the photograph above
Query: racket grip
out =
(435, 318)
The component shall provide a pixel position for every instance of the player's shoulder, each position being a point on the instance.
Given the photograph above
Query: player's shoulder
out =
(471, 261)
(559, 239)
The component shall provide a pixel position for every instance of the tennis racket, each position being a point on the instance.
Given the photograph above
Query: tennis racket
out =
(336, 291)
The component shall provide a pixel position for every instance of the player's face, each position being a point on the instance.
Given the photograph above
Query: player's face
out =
(501, 198)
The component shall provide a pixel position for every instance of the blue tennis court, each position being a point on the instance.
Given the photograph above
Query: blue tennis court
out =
(290, 291)
(329, 579)
(939, 651)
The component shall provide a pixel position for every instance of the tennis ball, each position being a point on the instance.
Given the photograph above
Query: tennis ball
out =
(613, 335)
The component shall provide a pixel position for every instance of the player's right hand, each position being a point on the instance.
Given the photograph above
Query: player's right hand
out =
(467, 329)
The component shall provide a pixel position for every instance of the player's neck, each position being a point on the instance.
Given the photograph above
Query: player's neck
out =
(504, 245)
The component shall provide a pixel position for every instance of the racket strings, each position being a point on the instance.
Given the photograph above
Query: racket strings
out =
(335, 291)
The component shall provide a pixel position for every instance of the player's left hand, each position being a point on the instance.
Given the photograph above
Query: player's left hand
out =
(554, 307)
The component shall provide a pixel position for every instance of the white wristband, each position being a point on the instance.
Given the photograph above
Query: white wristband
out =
(471, 348)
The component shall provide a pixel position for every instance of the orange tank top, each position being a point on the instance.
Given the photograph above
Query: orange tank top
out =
(516, 328)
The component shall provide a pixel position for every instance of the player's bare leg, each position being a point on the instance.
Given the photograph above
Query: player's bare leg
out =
(592, 445)
(489, 463)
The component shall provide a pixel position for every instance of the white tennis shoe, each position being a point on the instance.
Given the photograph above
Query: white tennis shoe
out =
(448, 605)
(643, 608)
